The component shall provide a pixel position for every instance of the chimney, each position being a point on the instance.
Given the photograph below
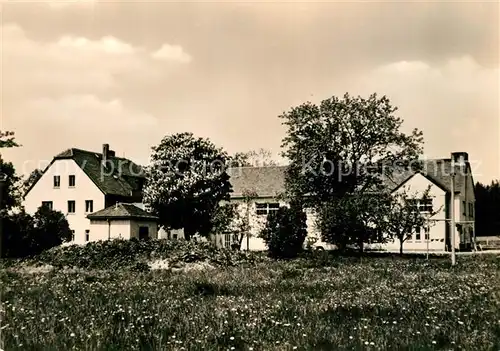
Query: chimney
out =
(460, 161)
(105, 153)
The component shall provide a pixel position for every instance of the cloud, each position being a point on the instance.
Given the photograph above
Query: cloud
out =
(455, 104)
(89, 112)
(171, 53)
(72, 65)
(105, 45)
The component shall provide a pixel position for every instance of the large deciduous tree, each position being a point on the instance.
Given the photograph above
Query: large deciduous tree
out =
(186, 182)
(334, 147)
(253, 158)
(340, 150)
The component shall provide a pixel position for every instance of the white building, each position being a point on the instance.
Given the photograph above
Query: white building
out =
(267, 183)
(122, 221)
(79, 182)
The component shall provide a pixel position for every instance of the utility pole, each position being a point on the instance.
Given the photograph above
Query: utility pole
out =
(3, 178)
(452, 214)
(427, 235)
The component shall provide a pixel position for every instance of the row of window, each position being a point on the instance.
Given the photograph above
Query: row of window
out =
(89, 206)
(87, 235)
(71, 181)
(417, 236)
(423, 205)
(263, 209)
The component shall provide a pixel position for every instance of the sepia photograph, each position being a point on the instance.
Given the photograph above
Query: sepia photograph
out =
(249, 175)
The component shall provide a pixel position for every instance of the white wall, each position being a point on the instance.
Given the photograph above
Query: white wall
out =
(115, 229)
(415, 187)
(257, 223)
(84, 189)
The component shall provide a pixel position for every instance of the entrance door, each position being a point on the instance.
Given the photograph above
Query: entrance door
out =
(143, 233)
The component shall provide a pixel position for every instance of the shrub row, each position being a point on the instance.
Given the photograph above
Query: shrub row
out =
(118, 254)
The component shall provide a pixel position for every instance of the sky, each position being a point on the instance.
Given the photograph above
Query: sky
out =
(84, 73)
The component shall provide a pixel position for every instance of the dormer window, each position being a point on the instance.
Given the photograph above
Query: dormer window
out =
(72, 181)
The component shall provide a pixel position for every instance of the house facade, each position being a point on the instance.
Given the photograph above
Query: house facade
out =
(122, 221)
(258, 191)
(79, 182)
(266, 184)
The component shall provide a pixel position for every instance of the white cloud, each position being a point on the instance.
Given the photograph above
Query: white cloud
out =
(89, 112)
(106, 45)
(72, 65)
(456, 104)
(171, 53)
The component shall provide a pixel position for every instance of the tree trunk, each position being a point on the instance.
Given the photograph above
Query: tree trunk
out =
(401, 247)
(361, 246)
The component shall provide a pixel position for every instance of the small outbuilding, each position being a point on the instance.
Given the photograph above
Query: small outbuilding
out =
(122, 221)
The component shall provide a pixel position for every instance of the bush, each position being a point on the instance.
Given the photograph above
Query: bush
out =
(130, 254)
(285, 232)
(26, 235)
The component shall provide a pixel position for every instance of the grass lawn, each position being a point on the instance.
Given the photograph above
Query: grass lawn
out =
(379, 303)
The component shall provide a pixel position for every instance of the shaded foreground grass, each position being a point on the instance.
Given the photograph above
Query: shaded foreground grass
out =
(379, 303)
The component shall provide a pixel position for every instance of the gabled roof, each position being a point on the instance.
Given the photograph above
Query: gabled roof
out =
(270, 181)
(438, 171)
(122, 211)
(120, 177)
(266, 181)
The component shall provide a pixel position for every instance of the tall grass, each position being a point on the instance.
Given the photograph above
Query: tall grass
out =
(379, 303)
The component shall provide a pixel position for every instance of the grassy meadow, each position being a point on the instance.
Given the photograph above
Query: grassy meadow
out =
(329, 304)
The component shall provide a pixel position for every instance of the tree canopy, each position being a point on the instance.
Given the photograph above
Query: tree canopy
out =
(487, 209)
(253, 158)
(339, 151)
(186, 182)
(341, 145)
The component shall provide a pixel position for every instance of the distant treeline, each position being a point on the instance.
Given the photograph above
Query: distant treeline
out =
(488, 209)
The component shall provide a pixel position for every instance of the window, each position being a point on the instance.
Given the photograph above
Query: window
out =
(263, 209)
(87, 235)
(72, 181)
(89, 206)
(464, 208)
(47, 204)
(174, 236)
(423, 205)
(72, 235)
(57, 181)
(227, 240)
(143, 233)
(417, 234)
(471, 209)
(71, 206)
(427, 233)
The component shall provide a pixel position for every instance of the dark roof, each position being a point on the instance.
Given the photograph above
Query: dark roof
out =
(438, 171)
(122, 211)
(120, 177)
(268, 181)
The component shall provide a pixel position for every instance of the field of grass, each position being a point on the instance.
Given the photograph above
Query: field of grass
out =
(340, 303)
